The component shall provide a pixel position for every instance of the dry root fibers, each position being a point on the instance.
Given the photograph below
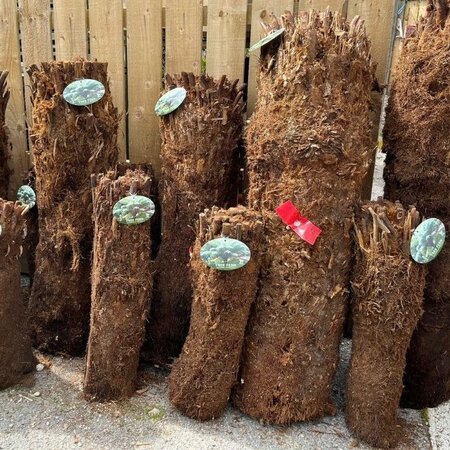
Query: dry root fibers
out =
(199, 157)
(308, 142)
(418, 173)
(122, 280)
(16, 355)
(69, 144)
(4, 143)
(387, 302)
(202, 377)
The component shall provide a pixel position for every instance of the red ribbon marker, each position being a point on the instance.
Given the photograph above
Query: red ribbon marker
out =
(300, 225)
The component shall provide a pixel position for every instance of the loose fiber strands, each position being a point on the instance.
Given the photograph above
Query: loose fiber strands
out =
(69, 144)
(15, 349)
(4, 143)
(387, 302)
(202, 377)
(308, 141)
(199, 169)
(418, 172)
(122, 281)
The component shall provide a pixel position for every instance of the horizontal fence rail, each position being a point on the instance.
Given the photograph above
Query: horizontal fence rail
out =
(142, 39)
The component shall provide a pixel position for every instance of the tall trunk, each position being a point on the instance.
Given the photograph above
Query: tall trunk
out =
(69, 144)
(15, 349)
(387, 305)
(199, 169)
(204, 374)
(122, 280)
(418, 173)
(309, 142)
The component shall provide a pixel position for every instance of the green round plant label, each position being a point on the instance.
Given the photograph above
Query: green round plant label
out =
(170, 101)
(427, 241)
(84, 92)
(133, 210)
(225, 254)
(26, 196)
(266, 39)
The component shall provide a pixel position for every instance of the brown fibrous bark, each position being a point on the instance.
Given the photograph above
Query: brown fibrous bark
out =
(122, 280)
(418, 173)
(69, 143)
(308, 142)
(15, 350)
(387, 300)
(202, 377)
(199, 169)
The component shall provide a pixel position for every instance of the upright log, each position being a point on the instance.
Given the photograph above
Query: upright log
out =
(199, 169)
(309, 142)
(418, 173)
(69, 143)
(122, 280)
(202, 377)
(4, 143)
(387, 302)
(15, 348)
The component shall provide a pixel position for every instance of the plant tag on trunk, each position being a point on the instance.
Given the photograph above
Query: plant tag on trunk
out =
(266, 39)
(84, 92)
(300, 225)
(170, 101)
(427, 241)
(225, 254)
(133, 210)
(26, 196)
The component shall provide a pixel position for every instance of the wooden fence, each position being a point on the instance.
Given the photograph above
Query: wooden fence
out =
(138, 38)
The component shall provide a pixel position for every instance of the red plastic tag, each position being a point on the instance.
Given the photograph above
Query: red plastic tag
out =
(300, 225)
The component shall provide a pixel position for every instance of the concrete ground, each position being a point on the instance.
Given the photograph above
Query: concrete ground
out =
(47, 411)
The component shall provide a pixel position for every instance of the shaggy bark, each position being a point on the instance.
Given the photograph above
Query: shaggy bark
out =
(418, 173)
(69, 143)
(202, 377)
(199, 169)
(308, 142)
(15, 350)
(387, 305)
(122, 280)
(4, 143)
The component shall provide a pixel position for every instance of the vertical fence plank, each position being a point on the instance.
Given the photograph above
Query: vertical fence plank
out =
(321, 5)
(379, 16)
(227, 22)
(184, 29)
(260, 11)
(15, 113)
(107, 45)
(36, 37)
(70, 23)
(144, 42)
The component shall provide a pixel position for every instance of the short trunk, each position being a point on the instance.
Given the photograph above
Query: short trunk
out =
(122, 280)
(387, 305)
(204, 374)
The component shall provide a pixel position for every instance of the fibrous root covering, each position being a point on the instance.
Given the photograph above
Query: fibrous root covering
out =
(4, 142)
(69, 144)
(309, 142)
(387, 302)
(15, 348)
(418, 173)
(199, 170)
(122, 280)
(203, 376)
